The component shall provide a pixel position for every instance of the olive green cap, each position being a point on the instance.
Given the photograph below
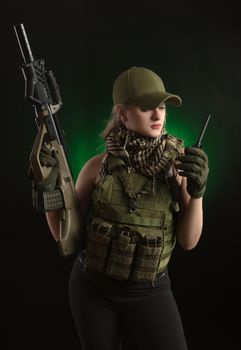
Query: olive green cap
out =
(142, 87)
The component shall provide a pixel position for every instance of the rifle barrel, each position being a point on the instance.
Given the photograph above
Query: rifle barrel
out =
(23, 43)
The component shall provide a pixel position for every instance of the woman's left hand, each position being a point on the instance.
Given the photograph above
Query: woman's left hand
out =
(194, 165)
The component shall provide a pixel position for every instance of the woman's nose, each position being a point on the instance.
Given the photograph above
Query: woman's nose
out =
(156, 114)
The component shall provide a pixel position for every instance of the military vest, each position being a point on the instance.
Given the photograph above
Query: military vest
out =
(131, 234)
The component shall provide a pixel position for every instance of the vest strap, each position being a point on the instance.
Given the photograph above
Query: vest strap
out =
(131, 220)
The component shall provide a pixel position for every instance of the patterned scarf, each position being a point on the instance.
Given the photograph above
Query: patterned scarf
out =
(146, 155)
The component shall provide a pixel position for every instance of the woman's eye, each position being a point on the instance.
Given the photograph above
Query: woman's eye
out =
(143, 109)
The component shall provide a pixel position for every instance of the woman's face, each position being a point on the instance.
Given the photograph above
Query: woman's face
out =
(144, 122)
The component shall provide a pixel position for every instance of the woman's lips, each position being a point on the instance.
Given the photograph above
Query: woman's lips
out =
(156, 126)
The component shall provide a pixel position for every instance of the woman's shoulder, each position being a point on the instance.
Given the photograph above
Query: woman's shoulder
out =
(176, 142)
(94, 163)
(86, 180)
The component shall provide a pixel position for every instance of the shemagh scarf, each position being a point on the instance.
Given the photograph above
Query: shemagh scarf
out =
(146, 155)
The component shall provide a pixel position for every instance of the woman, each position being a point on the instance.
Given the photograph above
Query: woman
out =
(141, 195)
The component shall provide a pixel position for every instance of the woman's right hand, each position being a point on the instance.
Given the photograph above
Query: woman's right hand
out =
(48, 158)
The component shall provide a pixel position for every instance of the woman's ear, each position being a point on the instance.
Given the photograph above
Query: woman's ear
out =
(122, 112)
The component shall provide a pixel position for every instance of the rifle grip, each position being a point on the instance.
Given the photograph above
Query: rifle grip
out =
(40, 172)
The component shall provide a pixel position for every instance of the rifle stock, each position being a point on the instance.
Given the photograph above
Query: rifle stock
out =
(42, 91)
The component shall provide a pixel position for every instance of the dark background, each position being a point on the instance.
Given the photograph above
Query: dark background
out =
(196, 48)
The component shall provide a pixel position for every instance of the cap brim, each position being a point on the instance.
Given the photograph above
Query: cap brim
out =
(152, 101)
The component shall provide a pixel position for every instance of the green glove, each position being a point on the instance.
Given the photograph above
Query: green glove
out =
(194, 165)
(48, 158)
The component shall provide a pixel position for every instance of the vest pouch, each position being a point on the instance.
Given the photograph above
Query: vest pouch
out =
(121, 257)
(98, 246)
(147, 259)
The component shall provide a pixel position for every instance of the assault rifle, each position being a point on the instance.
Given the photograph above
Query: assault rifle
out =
(42, 91)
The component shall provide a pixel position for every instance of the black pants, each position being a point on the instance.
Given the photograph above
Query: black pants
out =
(110, 314)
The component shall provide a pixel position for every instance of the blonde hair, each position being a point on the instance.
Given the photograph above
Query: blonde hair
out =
(114, 120)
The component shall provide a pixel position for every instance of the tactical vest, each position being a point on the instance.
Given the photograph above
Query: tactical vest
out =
(131, 234)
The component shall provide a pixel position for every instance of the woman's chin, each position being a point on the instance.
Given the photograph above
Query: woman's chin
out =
(154, 132)
(149, 132)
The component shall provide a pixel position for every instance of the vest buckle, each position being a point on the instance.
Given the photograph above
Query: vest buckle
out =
(132, 206)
